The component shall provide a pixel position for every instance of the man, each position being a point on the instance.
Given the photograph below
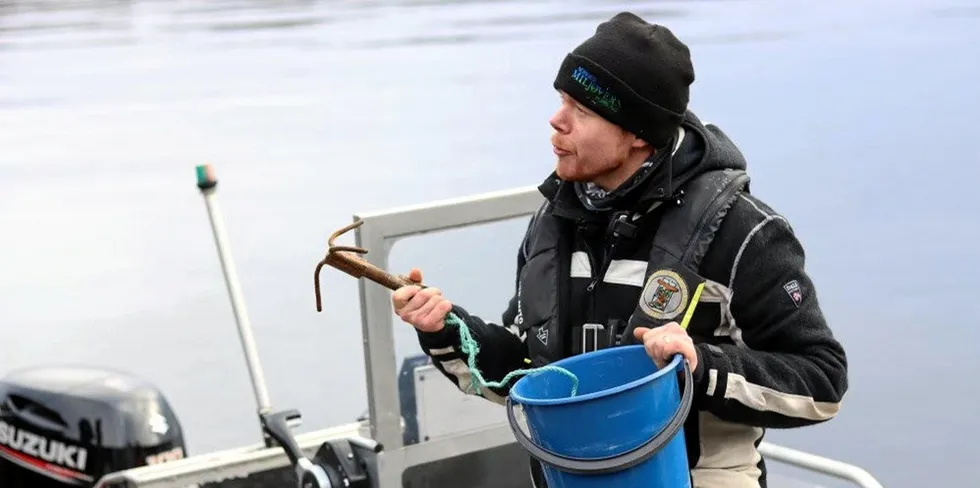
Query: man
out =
(648, 214)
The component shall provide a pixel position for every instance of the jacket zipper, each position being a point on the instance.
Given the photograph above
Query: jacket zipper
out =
(614, 237)
(606, 261)
(588, 253)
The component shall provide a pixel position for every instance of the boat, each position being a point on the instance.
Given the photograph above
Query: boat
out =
(418, 431)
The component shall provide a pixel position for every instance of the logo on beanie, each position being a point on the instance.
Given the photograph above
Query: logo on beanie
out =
(599, 95)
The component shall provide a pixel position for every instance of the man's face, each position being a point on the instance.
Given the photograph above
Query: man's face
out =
(589, 147)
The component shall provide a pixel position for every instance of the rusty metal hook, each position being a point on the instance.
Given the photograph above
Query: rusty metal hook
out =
(348, 259)
(331, 247)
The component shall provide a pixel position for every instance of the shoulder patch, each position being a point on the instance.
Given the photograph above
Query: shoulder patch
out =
(665, 295)
(792, 289)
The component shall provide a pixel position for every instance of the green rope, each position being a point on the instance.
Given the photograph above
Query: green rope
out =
(471, 348)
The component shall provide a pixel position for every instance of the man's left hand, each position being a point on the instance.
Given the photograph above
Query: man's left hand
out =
(662, 343)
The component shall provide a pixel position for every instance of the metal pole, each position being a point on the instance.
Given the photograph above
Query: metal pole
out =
(208, 183)
(819, 464)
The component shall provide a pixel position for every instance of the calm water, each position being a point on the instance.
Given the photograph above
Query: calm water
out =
(858, 118)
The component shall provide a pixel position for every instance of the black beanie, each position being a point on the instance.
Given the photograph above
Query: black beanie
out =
(632, 73)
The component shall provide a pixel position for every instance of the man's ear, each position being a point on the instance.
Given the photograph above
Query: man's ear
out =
(639, 143)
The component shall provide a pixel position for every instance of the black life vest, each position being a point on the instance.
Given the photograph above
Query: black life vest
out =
(672, 278)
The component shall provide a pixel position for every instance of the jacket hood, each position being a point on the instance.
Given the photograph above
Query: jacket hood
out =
(703, 148)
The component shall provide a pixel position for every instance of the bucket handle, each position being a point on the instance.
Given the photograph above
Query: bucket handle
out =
(618, 462)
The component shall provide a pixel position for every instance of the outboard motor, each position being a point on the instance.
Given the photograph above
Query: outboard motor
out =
(66, 426)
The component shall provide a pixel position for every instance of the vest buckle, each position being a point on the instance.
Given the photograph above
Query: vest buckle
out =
(593, 331)
(620, 226)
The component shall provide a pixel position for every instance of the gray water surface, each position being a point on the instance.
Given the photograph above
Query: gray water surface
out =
(858, 118)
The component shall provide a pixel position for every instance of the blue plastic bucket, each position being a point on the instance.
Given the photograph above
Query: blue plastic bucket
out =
(623, 428)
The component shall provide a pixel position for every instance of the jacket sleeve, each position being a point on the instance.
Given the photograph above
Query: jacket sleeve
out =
(501, 347)
(785, 369)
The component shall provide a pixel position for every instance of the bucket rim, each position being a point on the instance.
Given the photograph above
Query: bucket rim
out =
(669, 367)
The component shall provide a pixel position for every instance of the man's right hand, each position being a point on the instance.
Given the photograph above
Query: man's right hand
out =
(424, 308)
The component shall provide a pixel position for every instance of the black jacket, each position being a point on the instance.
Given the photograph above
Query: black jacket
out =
(767, 358)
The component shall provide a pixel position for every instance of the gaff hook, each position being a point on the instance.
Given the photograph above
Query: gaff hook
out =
(348, 260)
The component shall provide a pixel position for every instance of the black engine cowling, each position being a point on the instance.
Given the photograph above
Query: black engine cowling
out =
(66, 426)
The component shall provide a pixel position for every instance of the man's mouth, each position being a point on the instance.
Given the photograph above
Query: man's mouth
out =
(560, 152)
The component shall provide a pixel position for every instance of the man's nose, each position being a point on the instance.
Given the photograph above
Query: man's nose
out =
(558, 121)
